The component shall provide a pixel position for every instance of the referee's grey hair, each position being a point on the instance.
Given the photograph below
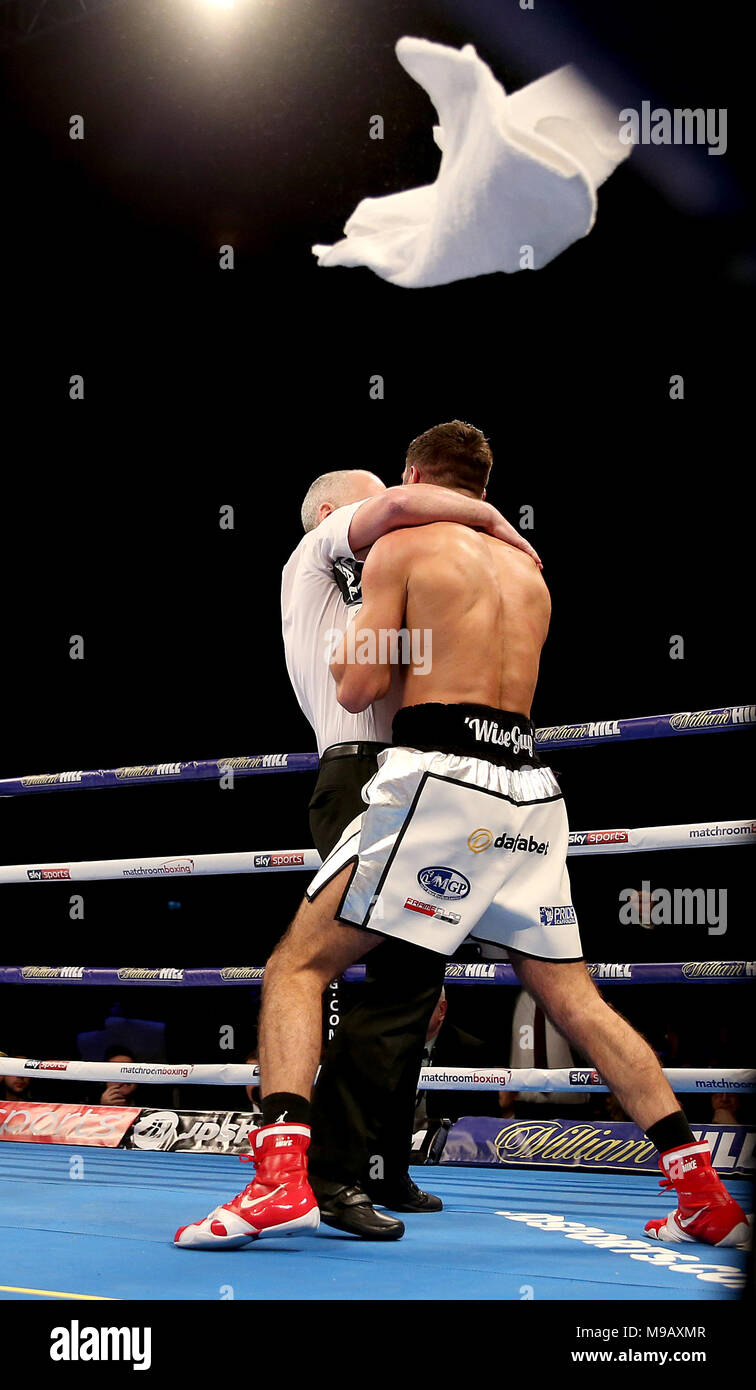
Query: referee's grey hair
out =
(329, 487)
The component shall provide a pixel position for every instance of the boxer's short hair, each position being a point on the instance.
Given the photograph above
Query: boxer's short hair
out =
(452, 455)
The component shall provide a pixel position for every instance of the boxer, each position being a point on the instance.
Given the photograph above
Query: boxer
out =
(465, 835)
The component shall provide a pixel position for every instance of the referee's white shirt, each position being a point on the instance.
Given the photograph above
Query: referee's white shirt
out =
(311, 608)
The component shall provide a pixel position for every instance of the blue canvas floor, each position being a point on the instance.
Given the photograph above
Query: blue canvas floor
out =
(107, 1233)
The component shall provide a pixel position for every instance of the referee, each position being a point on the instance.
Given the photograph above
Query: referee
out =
(364, 1101)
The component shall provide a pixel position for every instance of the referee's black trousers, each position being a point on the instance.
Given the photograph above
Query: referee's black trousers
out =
(364, 1101)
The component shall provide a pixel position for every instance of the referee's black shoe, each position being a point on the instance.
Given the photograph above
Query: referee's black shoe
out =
(404, 1195)
(348, 1208)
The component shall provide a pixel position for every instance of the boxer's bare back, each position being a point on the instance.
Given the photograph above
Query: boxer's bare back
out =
(484, 604)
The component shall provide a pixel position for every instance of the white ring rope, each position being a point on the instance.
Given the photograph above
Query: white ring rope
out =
(694, 835)
(683, 1079)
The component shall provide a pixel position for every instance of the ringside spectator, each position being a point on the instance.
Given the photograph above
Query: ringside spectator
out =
(446, 1045)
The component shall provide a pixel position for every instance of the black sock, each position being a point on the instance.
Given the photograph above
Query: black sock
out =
(285, 1107)
(673, 1132)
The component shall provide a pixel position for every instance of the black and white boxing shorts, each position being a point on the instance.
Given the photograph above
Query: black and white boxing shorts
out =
(465, 835)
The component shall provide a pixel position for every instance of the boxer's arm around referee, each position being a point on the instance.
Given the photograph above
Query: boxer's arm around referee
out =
(399, 507)
(363, 1106)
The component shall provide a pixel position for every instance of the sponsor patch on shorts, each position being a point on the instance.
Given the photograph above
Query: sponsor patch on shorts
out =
(430, 910)
(558, 916)
(443, 882)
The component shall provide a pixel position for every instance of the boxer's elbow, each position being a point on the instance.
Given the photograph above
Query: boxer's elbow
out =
(353, 701)
(360, 686)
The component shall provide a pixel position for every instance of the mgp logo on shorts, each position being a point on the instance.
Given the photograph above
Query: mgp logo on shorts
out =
(443, 882)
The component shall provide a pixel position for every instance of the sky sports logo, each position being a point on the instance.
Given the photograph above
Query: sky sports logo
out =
(279, 861)
(599, 837)
(39, 875)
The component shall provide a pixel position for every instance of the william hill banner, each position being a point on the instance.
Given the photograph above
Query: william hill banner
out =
(588, 1145)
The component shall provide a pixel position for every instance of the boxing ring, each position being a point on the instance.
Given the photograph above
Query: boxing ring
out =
(84, 1223)
(500, 1236)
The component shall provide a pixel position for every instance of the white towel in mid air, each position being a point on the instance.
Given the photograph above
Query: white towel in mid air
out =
(517, 172)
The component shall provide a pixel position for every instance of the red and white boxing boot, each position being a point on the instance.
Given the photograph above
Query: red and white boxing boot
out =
(706, 1212)
(278, 1202)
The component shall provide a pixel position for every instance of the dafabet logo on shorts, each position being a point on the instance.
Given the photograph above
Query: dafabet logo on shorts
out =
(480, 839)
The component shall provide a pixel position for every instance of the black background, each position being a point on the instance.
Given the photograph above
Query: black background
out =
(206, 388)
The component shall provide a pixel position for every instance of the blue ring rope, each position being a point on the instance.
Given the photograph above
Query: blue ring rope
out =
(477, 973)
(587, 735)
